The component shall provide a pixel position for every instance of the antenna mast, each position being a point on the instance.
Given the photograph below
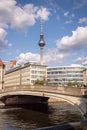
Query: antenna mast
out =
(41, 25)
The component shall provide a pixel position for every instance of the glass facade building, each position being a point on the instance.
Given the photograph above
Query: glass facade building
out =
(64, 74)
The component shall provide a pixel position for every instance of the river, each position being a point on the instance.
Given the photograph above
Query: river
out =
(37, 117)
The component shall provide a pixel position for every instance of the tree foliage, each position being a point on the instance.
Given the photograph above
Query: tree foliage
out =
(41, 82)
(75, 83)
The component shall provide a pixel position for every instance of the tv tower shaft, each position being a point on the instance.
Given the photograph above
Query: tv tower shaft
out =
(41, 42)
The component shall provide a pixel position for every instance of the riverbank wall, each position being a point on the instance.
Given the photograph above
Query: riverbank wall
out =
(66, 126)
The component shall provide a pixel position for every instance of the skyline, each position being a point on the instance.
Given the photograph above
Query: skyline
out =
(64, 29)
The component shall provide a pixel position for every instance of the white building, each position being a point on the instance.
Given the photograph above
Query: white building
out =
(61, 75)
(25, 74)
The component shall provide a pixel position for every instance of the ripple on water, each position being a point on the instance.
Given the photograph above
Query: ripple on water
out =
(25, 119)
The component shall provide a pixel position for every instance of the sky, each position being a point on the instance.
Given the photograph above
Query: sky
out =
(64, 29)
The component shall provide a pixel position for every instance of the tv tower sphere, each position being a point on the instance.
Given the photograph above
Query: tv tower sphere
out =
(41, 42)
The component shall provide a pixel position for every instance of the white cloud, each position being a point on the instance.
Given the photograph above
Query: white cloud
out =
(3, 43)
(75, 65)
(43, 13)
(79, 4)
(66, 13)
(69, 17)
(83, 20)
(50, 57)
(15, 17)
(20, 17)
(72, 15)
(6, 12)
(54, 7)
(26, 57)
(77, 41)
(82, 60)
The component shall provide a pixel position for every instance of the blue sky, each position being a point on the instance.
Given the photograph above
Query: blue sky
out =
(64, 28)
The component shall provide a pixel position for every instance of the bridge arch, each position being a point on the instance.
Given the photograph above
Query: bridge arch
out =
(80, 103)
(21, 98)
(71, 103)
(77, 102)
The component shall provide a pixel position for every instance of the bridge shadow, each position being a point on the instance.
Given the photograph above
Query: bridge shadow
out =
(27, 118)
(37, 103)
(30, 118)
(36, 107)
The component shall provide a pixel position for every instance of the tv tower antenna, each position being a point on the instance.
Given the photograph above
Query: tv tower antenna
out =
(41, 42)
(41, 25)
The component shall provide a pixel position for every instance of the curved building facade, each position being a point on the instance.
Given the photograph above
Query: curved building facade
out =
(64, 74)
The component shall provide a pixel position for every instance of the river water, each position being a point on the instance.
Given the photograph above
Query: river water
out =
(37, 117)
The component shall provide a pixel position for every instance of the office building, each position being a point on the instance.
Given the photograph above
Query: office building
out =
(61, 75)
(25, 74)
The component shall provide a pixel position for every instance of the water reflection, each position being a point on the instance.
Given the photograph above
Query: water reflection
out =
(36, 117)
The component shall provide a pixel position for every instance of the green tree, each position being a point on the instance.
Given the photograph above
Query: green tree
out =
(41, 82)
(75, 83)
(69, 84)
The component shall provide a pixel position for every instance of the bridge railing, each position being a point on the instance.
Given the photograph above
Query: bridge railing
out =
(63, 90)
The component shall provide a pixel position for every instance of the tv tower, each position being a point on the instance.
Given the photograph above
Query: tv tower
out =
(41, 42)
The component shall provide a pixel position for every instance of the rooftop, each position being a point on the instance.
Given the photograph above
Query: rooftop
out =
(1, 63)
